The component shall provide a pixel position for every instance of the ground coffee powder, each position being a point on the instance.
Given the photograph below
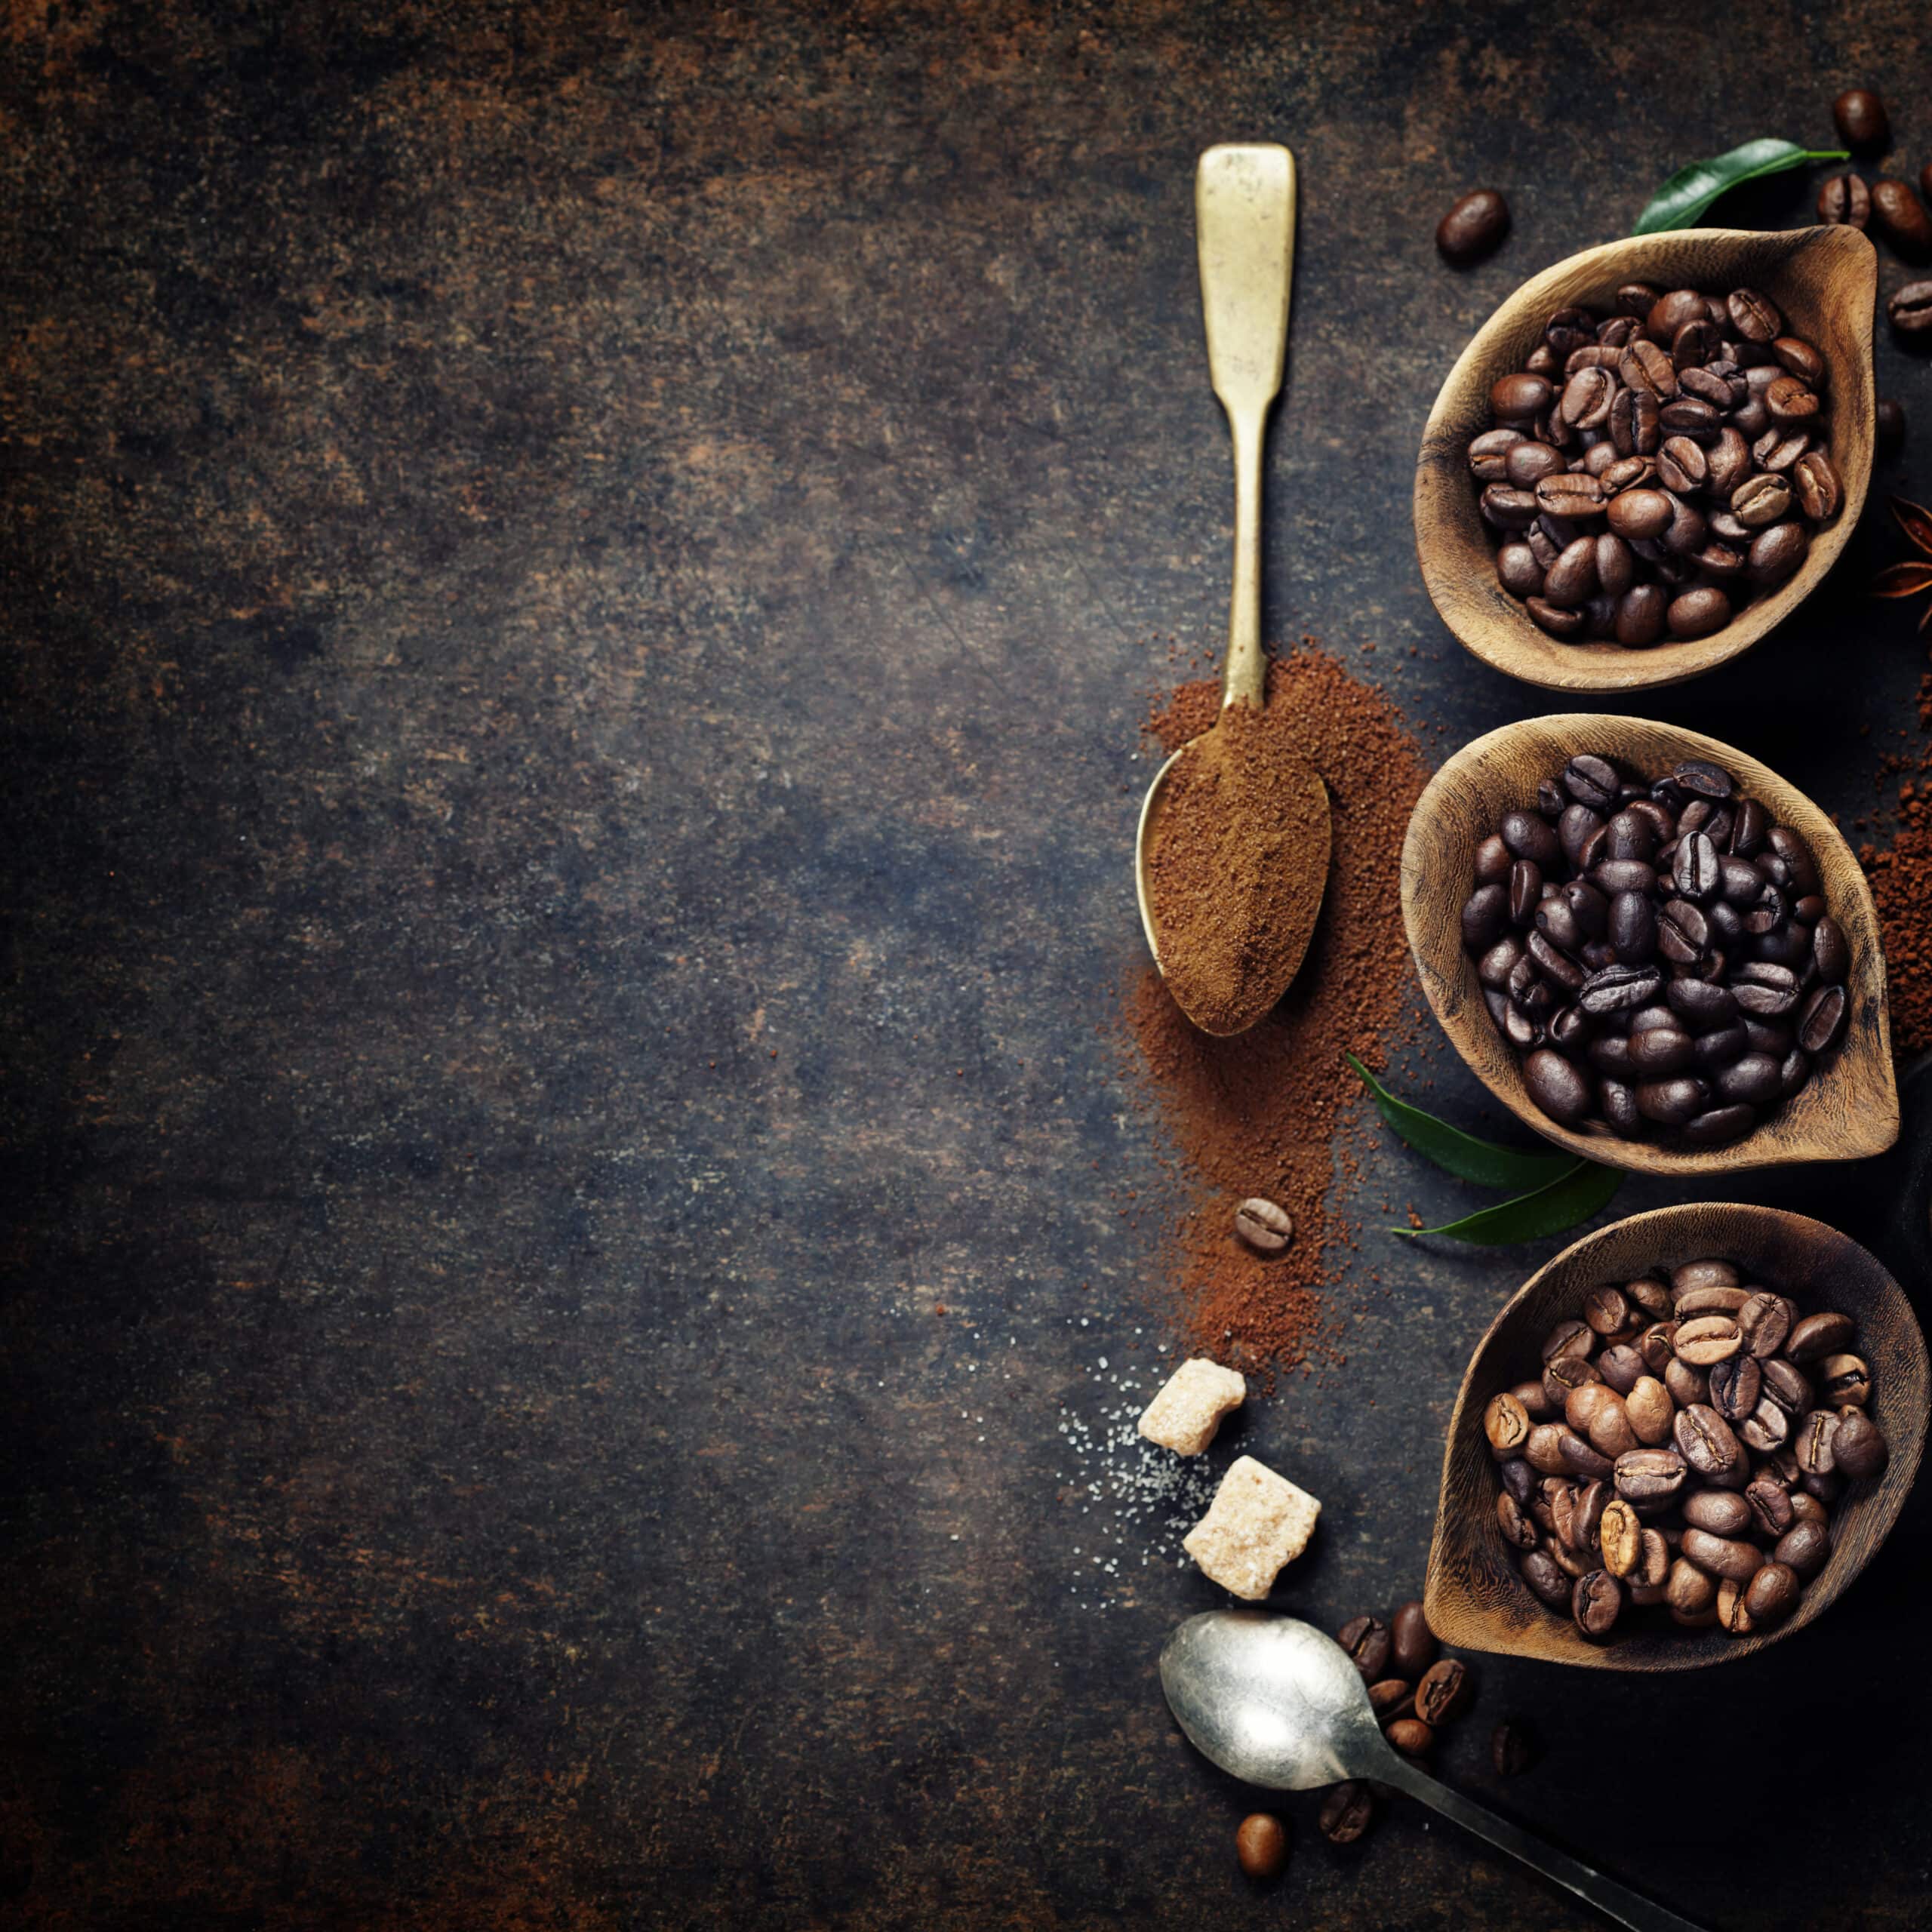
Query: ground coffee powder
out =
(1237, 858)
(1901, 878)
(1259, 1113)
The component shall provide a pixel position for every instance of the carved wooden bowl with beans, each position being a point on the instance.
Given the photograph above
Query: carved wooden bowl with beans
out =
(1649, 946)
(1651, 453)
(1682, 1439)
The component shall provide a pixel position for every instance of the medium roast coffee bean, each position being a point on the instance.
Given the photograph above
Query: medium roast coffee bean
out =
(1902, 215)
(1910, 312)
(1844, 201)
(1722, 1556)
(1817, 1335)
(1862, 121)
(1857, 1447)
(1595, 1602)
(1803, 1548)
(1261, 1845)
(1474, 227)
(1440, 1691)
(1266, 1228)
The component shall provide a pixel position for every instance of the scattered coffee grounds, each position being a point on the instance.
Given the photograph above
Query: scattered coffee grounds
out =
(1237, 858)
(1901, 877)
(1258, 1114)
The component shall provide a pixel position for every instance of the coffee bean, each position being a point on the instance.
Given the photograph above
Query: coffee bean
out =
(1786, 1387)
(1595, 1602)
(1266, 1228)
(1910, 312)
(1759, 500)
(1822, 1025)
(1844, 1381)
(1718, 1512)
(1819, 492)
(1817, 1335)
(1770, 1505)
(1857, 1447)
(1889, 422)
(1410, 1735)
(1805, 1547)
(1261, 1844)
(1545, 1577)
(1506, 1423)
(1557, 1087)
(1722, 1556)
(1440, 1691)
(1735, 1385)
(1518, 1527)
(1520, 398)
(1772, 1594)
(1474, 227)
(1511, 1749)
(1412, 1643)
(1705, 1440)
(1753, 316)
(1698, 613)
(1620, 1537)
(1901, 215)
(1813, 1443)
(1862, 121)
(1347, 1810)
(1844, 201)
(1648, 1475)
(1367, 1640)
(1650, 1410)
(1393, 1698)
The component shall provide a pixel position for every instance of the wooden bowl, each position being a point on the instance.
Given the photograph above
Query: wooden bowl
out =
(1476, 1597)
(1850, 1107)
(1826, 280)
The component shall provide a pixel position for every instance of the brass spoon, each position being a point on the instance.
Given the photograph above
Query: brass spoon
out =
(1245, 217)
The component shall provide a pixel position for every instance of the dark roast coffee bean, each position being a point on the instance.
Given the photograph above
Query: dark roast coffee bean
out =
(1672, 1102)
(1844, 201)
(1474, 227)
(1620, 989)
(1440, 1690)
(1412, 1643)
(1528, 836)
(1844, 1380)
(1862, 121)
(1698, 613)
(1348, 1810)
(1902, 215)
(1367, 1640)
(1858, 1449)
(1822, 1025)
(1556, 1087)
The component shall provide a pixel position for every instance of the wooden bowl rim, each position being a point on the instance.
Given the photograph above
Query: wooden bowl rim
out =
(1497, 630)
(1885, 1500)
(1448, 976)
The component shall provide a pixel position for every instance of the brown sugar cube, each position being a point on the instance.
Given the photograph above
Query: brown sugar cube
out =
(1184, 1415)
(1257, 1522)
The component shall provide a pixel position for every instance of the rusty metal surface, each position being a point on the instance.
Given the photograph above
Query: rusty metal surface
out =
(570, 703)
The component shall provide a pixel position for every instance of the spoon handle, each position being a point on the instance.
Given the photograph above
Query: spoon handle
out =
(1613, 1900)
(1245, 220)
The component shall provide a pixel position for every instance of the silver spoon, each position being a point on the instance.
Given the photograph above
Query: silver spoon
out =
(1274, 1701)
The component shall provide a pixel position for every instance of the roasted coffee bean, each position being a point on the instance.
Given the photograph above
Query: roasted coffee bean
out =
(1772, 1594)
(1620, 1537)
(1691, 1596)
(1575, 496)
(1517, 1526)
(1901, 215)
(1440, 1691)
(1764, 1322)
(1261, 1845)
(1578, 1457)
(1474, 227)
(1735, 1386)
(1733, 1611)
(1511, 1749)
(1822, 1025)
(1753, 316)
(1595, 1602)
(1413, 1644)
(1347, 1810)
(1265, 1227)
(1620, 1365)
(1718, 1512)
(1704, 1439)
(1858, 1449)
(1367, 1640)
(1650, 1411)
(1765, 1428)
(1769, 1506)
(1862, 121)
(1805, 1547)
(1411, 1737)
(1889, 421)
(1786, 1386)
(1711, 1297)
(1557, 1087)
(1844, 1381)
(1910, 311)
(1393, 1698)
(1759, 500)
(1813, 1443)
(1817, 1335)
(1722, 1556)
(1844, 201)
(1698, 613)
(1792, 401)
(1686, 1385)
(1648, 1475)
(1506, 1423)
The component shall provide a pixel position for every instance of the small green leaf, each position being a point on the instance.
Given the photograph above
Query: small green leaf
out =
(1466, 1157)
(1574, 1196)
(1683, 199)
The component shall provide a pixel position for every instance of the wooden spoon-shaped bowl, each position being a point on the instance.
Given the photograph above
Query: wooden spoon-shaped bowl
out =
(1476, 1597)
(1849, 1106)
(1825, 280)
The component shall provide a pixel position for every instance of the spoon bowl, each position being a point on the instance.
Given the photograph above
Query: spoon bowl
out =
(1850, 1107)
(1825, 280)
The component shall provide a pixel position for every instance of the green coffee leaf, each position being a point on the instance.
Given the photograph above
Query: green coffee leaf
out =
(1462, 1154)
(1683, 200)
(1585, 1189)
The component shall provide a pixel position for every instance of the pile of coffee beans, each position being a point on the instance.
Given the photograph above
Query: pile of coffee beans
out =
(1415, 1691)
(1660, 955)
(1681, 1449)
(1650, 470)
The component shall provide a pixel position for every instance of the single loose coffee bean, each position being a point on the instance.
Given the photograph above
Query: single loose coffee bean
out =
(1266, 1228)
(1512, 1748)
(1347, 1809)
(1440, 1691)
(1261, 1844)
(1410, 1735)
(1910, 312)
(1412, 1643)
(1902, 215)
(1785, 1385)
(1862, 121)
(1393, 1698)
(1735, 1384)
(1844, 201)
(1367, 1640)
(1474, 227)
(1770, 1505)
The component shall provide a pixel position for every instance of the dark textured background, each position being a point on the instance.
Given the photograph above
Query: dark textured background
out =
(579, 588)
